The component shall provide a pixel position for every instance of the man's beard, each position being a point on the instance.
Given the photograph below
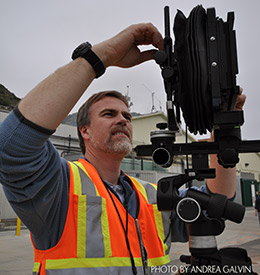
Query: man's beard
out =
(120, 146)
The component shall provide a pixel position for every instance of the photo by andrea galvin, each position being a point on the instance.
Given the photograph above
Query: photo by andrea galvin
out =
(204, 269)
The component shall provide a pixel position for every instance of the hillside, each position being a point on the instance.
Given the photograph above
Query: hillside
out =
(70, 120)
(7, 98)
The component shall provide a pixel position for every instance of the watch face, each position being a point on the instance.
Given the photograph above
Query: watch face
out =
(81, 50)
(84, 50)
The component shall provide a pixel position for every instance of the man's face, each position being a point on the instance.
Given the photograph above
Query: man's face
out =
(110, 129)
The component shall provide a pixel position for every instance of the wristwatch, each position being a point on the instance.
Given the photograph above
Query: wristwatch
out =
(84, 50)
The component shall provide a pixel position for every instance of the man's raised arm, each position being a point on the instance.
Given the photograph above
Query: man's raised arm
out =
(225, 181)
(51, 100)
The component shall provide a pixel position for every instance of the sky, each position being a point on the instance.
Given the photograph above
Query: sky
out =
(38, 36)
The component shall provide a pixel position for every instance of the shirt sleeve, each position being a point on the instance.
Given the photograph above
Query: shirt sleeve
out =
(35, 179)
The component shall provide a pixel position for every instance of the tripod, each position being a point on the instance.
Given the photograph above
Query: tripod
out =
(207, 259)
(205, 214)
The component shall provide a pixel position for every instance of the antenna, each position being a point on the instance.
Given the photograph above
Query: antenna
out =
(130, 103)
(153, 95)
(160, 105)
(153, 107)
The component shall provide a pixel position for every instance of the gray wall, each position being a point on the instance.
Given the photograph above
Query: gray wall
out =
(6, 211)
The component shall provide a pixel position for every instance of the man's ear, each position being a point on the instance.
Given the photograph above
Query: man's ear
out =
(84, 130)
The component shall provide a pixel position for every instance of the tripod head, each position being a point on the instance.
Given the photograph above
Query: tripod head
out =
(189, 208)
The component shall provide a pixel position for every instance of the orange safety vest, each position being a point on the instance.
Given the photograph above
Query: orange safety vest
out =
(93, 240)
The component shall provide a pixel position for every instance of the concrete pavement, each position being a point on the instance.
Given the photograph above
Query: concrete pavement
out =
(16, 253)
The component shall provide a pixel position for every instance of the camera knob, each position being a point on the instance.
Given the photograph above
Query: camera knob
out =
(188, 210)
(167, 72)
(160, 57)
(161, 125)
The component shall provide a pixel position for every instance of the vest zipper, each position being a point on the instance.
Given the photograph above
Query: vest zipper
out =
(142, 248)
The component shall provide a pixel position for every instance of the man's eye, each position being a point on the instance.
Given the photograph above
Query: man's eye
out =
(108, 114)
(128, 118)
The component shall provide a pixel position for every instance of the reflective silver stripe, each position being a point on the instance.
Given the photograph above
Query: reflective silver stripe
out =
(87, 186)
(166, 226)
(203, 242)
(94, 236)
(122, 270)
(142, 248)
(150, 191)
(94, 241)
(126, 270)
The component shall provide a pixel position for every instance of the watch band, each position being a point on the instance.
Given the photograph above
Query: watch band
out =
(84, 50)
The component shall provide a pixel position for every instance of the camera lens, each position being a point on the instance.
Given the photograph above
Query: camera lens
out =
(162, 157)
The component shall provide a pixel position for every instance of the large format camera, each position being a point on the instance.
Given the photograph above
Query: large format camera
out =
(199, 73)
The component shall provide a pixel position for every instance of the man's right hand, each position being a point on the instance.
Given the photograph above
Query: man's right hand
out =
(122, 50)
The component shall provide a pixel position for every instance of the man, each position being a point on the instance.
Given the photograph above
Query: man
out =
(257, 206)
(87, 217)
